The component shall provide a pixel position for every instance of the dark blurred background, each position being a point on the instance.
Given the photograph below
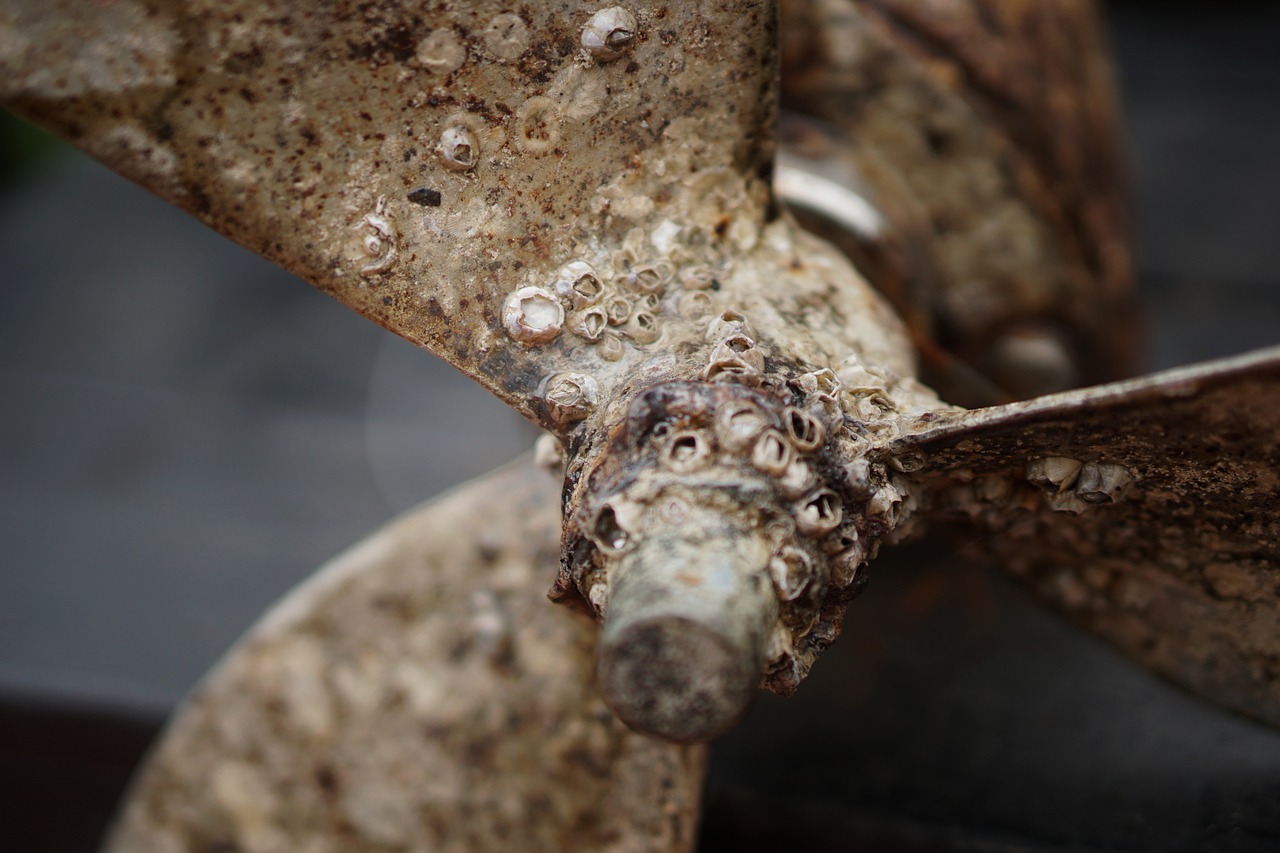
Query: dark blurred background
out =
(187, 432)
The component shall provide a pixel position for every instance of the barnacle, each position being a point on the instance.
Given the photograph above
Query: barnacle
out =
(594, 237)
(609, 33)
(533, 315)
(458, 147)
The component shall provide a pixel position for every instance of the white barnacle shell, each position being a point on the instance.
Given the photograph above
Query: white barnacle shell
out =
(458, 148)
(537, 126)
(727, 324)
(819, 513)
(1068, 502)
(577, 284)
(736, 358)
(506, 36)
(885, 503)
(791, 569)
(614, 526)
(697, 277)
(642, 327)
(772, 454)
(589, 323)
(857, 474)
(780, 532)
(609, 33)
(532, 315)
(548, 453)
(379, 240)
(859, 378)
(442, 51)
(618, 309)
(738, 424)
(731, 370)
(781, 651)
(846, 565)
(694, 306)
(1101, 483)
(805, 431)
(797, 479)
(650, 278)
(611, 347)
(822, 385)
(598, 596)
(1054, 474)
(740, 348)
(687, 450)
(570, 396)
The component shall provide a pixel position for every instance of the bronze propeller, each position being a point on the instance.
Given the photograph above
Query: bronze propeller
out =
(584, 209)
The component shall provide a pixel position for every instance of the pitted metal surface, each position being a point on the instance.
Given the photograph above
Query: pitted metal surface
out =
(418, 694)
(575, 207)
(1145, 510)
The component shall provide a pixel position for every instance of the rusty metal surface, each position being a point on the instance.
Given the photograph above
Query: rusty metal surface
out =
(970, 793)
(574, 207)
(418, 694)
(997, 119)
(1146, 510)
(426, 166)
(583, 228)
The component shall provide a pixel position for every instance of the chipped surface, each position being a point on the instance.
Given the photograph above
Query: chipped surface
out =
(417, 694)
(1147, 510)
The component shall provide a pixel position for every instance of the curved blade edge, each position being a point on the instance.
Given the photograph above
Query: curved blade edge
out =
(418, 693)
(1149, 511)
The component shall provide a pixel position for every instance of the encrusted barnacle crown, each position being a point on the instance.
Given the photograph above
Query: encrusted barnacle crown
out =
(718, 540)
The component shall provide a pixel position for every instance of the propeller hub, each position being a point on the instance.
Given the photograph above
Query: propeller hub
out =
(718, 535)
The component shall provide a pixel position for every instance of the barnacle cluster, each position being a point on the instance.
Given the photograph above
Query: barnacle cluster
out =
(765, 453)
(1071, 485)
(620, 298)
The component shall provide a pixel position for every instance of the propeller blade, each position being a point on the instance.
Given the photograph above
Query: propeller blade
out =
(574, 206)
(1000, 120)
(419, 694)
(513, 190)
(1148, 510)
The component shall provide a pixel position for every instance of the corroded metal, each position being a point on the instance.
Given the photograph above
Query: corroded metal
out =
(437, 171)
(992, 124)
(603, 228)
(763, 468)
(1149, 511)
(575, 206)
(417, 694)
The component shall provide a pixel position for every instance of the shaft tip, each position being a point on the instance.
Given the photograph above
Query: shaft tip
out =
(676, 678)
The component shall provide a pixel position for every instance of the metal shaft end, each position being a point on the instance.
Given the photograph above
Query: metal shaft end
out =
(682, 649)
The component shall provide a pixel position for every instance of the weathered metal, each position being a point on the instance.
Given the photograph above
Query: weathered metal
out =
(418, 694)
(1148, 511)
(576, 207)
(320, 137)
(660, 268)
(990, 128)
